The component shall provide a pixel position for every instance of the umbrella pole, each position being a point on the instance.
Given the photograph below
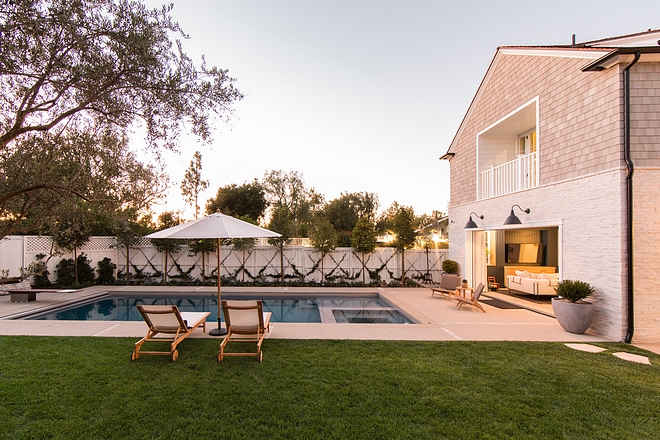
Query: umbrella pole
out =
(218, 331)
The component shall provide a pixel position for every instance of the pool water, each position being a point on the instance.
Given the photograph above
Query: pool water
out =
(327, 310)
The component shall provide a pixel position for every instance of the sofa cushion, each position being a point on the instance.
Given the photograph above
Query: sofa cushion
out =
(522, 274)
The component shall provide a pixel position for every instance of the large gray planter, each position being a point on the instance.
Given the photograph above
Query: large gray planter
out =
(573, 317)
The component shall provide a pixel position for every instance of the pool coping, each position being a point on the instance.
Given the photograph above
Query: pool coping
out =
(438, 318)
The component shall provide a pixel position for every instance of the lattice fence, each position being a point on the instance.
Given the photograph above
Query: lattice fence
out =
(261, 263)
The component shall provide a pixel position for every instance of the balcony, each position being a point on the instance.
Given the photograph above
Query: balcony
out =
(513, 176)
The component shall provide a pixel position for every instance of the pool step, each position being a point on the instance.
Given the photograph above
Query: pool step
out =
(327, 317)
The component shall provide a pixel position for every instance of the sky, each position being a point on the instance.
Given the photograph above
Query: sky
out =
(363, 96)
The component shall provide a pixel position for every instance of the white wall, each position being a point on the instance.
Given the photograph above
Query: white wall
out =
(592, 235)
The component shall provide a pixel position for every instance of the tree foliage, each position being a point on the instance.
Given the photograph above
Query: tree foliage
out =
(345, 211)
(167, 220)
(323, 235)
(404, 225)
(104, 63)
(46, 176)
(364, 240)
(76, 79)
(193, 183)
(246, 200)
(73, 230)
(280, 222)
(401, 220)
(363, 237)
(291, 201)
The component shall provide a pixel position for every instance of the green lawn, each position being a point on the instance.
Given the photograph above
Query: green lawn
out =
(88, 388)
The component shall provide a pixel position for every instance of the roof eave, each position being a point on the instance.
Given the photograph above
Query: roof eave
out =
(612, 58)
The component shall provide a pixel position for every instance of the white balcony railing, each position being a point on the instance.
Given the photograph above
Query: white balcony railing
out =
(516, 175)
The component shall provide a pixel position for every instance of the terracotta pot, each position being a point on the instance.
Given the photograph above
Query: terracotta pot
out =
(573, 317)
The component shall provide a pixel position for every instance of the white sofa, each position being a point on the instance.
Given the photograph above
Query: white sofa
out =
(533, 283)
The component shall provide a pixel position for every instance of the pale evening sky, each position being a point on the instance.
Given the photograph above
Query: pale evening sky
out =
(364, 95)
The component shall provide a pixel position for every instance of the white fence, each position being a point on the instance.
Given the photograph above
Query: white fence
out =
(261, 263)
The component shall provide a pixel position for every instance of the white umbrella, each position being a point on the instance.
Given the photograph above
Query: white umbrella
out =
(217, 226)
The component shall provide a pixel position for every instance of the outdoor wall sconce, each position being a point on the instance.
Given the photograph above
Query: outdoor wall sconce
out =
(512, 219)
(471, 224)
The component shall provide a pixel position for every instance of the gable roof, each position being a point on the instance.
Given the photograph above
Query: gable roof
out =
(648, 38)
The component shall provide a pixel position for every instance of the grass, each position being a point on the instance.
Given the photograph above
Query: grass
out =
(88, 388)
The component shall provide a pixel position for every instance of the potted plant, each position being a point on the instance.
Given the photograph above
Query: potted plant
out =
(464, 283)
(450, 266)
(572, 312)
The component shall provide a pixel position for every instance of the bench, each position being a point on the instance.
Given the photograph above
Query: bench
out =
(27, 295)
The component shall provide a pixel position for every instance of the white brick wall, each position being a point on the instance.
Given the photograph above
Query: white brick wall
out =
(591, 218)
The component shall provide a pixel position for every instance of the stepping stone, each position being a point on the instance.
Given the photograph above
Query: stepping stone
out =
(586, 347)
(633, 358)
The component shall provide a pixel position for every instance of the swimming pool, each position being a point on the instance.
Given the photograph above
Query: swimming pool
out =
(367, 309)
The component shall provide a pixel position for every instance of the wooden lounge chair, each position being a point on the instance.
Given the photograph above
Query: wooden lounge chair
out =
(246, 322)
(473, 300)
(447, 286)
(168, 321)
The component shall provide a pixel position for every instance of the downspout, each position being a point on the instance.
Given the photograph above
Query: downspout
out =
(630, 170)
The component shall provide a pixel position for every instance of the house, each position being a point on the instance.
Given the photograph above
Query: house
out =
(572, 134)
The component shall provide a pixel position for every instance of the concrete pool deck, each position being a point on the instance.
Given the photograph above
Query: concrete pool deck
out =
(438, 318)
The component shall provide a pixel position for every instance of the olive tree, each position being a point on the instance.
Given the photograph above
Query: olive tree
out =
(100, 70)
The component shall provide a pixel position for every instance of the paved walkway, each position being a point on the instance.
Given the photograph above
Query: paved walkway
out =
(438, 318)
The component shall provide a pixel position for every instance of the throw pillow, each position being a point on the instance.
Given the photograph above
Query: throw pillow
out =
(550, 276)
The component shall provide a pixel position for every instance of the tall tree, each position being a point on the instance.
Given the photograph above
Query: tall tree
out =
(193, 183)
(246, 200)
(100, 69)
(345, 211)
(287, 192)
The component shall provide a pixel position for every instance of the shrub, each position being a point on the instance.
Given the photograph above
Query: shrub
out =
(450, 266)
(65, 271)
(573, 291)
(38, 271)
(106, 271)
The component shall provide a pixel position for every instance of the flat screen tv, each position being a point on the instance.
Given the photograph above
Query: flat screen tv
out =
(524, 253)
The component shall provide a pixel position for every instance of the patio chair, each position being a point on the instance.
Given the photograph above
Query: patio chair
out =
(167, 320)
(473, 300)
(447, 286)
(246, 322)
